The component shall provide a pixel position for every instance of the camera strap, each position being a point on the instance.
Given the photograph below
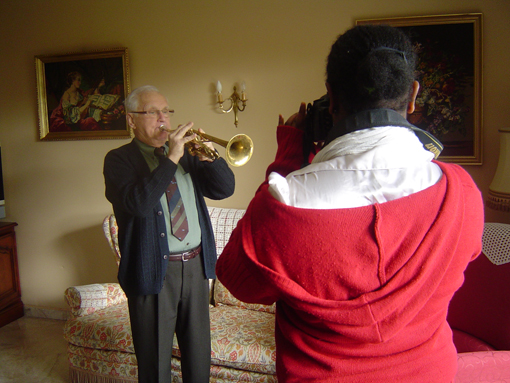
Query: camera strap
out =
(383, 117)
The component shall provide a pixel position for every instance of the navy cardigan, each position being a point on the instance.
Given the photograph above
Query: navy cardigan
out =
(134, 192)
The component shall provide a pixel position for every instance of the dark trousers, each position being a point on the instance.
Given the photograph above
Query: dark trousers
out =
(182, 307)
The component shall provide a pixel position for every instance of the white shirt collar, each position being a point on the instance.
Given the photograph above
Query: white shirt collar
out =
(368, 166)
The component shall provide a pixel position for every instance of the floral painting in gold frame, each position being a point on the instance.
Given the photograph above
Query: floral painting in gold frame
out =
(449, 69)
(81, 95)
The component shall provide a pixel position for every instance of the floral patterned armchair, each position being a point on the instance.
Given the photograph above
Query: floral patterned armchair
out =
(100, 345)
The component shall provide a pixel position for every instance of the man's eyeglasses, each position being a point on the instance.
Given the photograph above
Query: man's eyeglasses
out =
(154, 113)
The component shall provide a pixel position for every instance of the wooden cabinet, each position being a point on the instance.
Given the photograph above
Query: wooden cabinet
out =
(11, 306)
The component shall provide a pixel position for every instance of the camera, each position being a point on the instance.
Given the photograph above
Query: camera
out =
(318, 120)
(318, 123)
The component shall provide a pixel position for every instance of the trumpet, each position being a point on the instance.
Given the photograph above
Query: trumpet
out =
(238, 149)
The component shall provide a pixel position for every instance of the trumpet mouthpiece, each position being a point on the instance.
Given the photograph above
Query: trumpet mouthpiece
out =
(163, 128)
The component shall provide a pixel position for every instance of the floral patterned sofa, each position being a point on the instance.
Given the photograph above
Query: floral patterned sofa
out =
(100, 346)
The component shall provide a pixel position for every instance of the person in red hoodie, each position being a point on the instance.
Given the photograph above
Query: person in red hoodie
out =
(362, 249)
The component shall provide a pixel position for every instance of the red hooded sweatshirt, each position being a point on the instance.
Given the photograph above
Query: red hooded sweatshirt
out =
(362, 293)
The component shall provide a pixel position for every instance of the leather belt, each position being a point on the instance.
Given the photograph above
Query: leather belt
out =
(186, 256)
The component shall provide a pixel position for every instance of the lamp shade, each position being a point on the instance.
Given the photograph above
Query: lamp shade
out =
(499, 189)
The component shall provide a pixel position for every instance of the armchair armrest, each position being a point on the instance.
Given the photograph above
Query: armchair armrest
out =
(86, 299)
(483, 366)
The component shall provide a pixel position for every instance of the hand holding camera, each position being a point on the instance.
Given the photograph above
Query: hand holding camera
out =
(297, 120)
(314, 120)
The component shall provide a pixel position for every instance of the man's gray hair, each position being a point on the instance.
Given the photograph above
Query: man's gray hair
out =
(132, 101)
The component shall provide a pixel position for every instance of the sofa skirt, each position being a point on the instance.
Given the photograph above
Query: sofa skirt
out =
(84, 376)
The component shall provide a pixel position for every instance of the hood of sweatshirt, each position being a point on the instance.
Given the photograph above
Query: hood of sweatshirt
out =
(363, 273)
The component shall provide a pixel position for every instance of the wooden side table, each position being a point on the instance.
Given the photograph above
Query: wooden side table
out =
(11, 306)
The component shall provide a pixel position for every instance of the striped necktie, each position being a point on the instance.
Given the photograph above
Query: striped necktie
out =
(175, 205)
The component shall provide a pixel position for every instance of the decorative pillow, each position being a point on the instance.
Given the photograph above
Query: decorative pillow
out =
(224, 221)
(86, 299)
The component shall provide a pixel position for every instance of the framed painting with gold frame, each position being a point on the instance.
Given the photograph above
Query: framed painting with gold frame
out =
(80, 95)
(449, 69)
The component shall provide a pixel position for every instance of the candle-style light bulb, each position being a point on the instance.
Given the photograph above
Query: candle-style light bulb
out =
(243, 94)
(218, 88)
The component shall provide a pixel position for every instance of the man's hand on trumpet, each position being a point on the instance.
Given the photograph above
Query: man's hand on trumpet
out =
(177, 139)
(199, 151)
(182, 136)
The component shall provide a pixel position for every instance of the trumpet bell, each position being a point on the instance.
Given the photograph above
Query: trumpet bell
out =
(239, 150)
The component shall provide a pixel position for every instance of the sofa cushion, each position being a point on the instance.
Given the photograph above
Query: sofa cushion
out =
(105, 329)
(222, 374)
(239, 339)
(223, 297)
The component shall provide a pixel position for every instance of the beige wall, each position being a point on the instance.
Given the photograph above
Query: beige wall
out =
(55, 190)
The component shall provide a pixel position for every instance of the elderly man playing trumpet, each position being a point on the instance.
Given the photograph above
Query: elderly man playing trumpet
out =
(157, 191)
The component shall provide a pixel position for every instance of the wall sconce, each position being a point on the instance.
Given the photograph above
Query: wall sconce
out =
(499, 189)
(237, 103)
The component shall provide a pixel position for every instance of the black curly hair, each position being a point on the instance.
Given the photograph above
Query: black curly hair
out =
(371, 67)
